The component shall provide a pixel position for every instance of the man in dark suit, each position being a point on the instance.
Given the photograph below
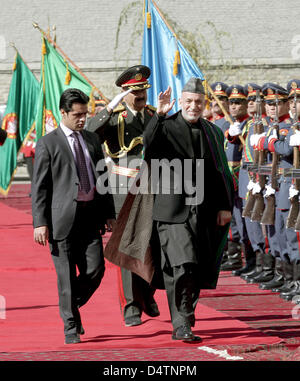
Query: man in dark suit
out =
(120, 127)
(193, 200)
(67, 210)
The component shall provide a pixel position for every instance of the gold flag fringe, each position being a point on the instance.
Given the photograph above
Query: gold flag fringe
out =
(68, 75)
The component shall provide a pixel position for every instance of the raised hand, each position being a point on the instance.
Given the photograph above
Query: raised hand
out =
(164, 103)
(117, 99)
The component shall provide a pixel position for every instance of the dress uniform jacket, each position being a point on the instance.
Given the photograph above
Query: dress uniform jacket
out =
(121, 133)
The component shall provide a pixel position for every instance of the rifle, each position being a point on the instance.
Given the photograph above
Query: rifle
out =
(251, 198)
(293, 219)
(259, 204)
(268, 217)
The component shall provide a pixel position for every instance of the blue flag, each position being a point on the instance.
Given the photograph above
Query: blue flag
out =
(170, 64)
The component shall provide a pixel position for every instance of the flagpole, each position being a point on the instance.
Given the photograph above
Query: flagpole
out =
(35, 25)
(165, 21)
(226, 114)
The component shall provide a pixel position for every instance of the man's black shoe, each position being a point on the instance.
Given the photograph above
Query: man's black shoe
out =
(151, 310)
(80, 330)
(184, 333)
(72, 338)
(133, 321)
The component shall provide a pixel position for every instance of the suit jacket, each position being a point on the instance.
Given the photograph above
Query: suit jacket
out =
(55, 184)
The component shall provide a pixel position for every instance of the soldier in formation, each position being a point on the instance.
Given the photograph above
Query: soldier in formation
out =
(262, 147)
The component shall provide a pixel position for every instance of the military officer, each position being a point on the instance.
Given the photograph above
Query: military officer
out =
(219, 89)
(233, 148)
(274, 141)
(120, 127)
(289, 239)
(256, 248)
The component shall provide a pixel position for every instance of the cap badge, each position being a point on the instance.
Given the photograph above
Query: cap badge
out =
(294, 85)
(219, 87)
(138, 76)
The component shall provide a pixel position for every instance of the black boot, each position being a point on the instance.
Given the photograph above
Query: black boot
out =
(225, 257)
(250, 258)
(258, 266)
(234, 260)
(277, 280)
(295, 289)
(288, 278)
(268, 270)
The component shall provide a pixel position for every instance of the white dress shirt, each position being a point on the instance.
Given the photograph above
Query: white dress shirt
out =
(82, 196)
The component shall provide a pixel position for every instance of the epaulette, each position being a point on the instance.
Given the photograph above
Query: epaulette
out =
(119, 108)
(152, 108)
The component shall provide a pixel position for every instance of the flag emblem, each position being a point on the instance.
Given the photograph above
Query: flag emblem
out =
(11, 125)
(50, 122)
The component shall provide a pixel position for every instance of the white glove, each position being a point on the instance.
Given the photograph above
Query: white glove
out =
(108, 159)
(295, 139)
(273, 136)
(250, 185)
(256, 188)
(255, 138)
(269, 191)
(117, 99)
(234, 129)
(293, 191)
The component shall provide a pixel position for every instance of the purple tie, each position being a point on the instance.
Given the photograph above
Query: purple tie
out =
(81, 165)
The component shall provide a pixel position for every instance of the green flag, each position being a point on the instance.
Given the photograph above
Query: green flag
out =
(18, 119)
(57, 75)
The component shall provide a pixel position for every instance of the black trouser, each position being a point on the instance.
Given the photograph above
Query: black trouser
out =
(182, 287)
(82, 249)
(180, 269)
(136, 293)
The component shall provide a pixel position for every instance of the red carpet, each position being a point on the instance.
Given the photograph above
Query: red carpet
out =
(32, 323)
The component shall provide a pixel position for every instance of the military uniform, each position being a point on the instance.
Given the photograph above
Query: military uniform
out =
(254, 229)
(288, 239)
(121, 134)
(277, 234)
(233, 150)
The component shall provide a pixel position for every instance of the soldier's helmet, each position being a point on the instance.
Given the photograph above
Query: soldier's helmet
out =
(271, 89)
(236, 92)
(135, 78)
(292, 87)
